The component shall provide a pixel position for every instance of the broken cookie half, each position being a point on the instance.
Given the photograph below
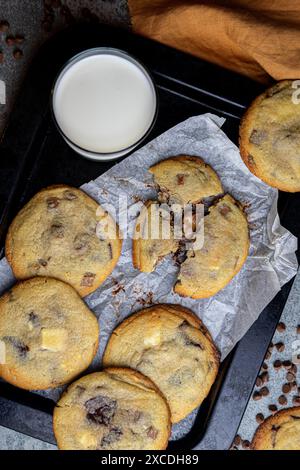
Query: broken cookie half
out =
(215, 250)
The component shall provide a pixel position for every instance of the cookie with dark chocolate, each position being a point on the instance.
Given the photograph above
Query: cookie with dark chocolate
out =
(49, 334)
(279, 432)
(171, 346)
(115, 409)
(63, 233)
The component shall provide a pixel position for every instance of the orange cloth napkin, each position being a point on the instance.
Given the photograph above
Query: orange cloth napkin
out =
(258, 38)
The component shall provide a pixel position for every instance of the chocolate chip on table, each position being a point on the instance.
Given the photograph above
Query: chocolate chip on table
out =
(296, 400)
(281, 327)
(272, 408)
(264, 391)
(259, 418)
(264, 366)
(298, 329)
(88, 279)
(69, 195)
(101, 409)
(256, 396)
(152, 432)
(4, 26)
(245, 444)
(268, 354)
(290, 377)
(287, 364)
(282, 400)
(21, 348)
(18, 54)
(280, 346)
(294, 368)
(286, 388)
(277, 364)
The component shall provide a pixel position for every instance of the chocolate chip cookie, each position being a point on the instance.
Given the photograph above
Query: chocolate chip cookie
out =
(63, 233)
(185, 179)
(171, 346)
(49, 334)
(116, 409)
(154, 236)
(270, 137)
(279, 432)
(225, 249)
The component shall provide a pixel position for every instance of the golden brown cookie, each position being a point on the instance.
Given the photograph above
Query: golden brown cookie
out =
(279, 432)
(154, 236)
(115, 409)
(61, 233)
(185, 179)
(170, 345)
(50, 335)
(270, 137)
(225, 249)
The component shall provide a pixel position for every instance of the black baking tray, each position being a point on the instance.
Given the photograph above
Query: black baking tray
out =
(34, 155)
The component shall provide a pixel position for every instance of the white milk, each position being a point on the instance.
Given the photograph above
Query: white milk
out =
(104, 103)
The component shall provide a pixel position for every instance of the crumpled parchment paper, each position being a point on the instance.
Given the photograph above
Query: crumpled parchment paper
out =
(230, 313)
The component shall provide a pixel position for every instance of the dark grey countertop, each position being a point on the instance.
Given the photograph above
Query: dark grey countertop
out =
(28, 18)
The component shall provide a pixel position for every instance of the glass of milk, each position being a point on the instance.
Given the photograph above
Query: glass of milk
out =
(104, 103)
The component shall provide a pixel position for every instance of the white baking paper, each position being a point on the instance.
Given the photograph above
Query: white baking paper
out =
(230, 313)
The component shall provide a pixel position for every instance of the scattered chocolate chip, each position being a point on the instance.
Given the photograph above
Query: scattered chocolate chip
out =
(281, 327)
(88, 279)
(265, 377)
(251, 160)
(101, 409)
(272, 408)
(277, 364)
(4, 26)
(296, 400)
(152, 432)
(294, 368)
(257, 136)
(224, 210)
(298, 329)
(280, 346)
(294, 386)
(287, 364)
(260, 418)
(282, 400)
(69, 195)
(290, 377)
(114, 435)
(110, 251)
(10, 40)
(52, 202)
(264, 391)
(245, 444)
(237, 440)
(19, 39)
(18, 54)
(258, 382)
(268, 354)
(256, 396)
(21, 348)
(57, 230)
(264, 366)
(286, 388)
